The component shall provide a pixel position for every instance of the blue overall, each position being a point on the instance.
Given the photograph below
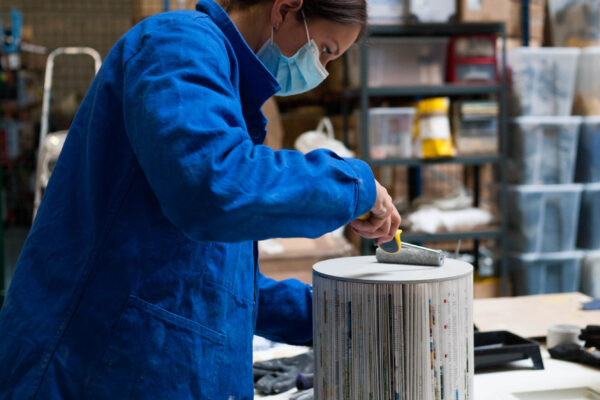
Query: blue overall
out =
(139, 278)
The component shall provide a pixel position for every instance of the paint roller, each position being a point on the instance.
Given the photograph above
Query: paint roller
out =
(398, 252)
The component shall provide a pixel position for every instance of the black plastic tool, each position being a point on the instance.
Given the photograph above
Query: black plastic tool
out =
(493, 349)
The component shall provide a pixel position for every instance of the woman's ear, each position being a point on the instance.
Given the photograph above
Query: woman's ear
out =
(282, 9)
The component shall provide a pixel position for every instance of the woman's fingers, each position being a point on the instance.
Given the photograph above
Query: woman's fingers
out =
(384, 219)
(393, 228)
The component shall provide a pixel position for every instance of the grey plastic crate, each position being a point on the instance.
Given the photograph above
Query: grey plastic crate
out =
(535, 273)
(589, 218)
(590, 274)
(587, 168)
(542, 150)
(543, 218)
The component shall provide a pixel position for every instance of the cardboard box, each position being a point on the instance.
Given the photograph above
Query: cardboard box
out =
(298, 121)
(145, 8)
(513, 43)
(573, 23)
(484, 10)
(485, 288)
(507, 11)
(530, 316)
(294, 258)
(514, 26)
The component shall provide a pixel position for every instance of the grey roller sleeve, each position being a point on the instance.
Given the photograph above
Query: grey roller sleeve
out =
(412, 256)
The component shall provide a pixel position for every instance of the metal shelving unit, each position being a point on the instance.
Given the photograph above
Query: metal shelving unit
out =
(417, 162)
(3, 287)
(476, 235)
(364, 94)
(411, 91)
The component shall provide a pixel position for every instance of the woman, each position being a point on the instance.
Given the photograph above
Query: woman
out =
(139, 278)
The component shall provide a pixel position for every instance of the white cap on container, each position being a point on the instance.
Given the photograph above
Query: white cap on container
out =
(551, 51)
(570, 187)
(392, 110)
(591, 187)
(555, 256)
(592, 119)
(548, 120)
(433, 40)
(595, 254)
(591, 51)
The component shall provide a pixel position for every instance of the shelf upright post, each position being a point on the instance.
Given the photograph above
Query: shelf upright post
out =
(364, 115)
(345, 102)
(166, 5)
(415, 186)
(364, 99)
(476, 202)
(3, 271)
(503, 126)
(525, 22)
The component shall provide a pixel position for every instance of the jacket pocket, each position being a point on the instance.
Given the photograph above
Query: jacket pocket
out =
(155, 354)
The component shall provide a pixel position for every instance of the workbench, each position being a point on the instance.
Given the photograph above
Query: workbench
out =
(527, 316)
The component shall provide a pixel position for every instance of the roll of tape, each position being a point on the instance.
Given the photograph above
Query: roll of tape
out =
(559, 334)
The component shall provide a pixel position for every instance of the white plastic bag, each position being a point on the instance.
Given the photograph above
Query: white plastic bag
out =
(322, 138)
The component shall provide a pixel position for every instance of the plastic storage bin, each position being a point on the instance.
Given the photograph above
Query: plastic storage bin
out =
(543, 80)
(385, 12)
(432, 10)
(475, 127)
(590, 274)
(543, 218)
(545, 273)
(390, 132)
(589, 219)
(401, 62)
(587, 89)
(542, 150)
(587, 169)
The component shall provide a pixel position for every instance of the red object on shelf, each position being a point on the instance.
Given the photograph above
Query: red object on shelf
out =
(473, 59)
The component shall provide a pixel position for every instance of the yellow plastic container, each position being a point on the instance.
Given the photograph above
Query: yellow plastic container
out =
(433, 137)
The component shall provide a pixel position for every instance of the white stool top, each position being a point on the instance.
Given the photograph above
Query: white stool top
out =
(367, 270)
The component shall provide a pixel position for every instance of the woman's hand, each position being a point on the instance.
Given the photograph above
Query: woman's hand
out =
(384, 219)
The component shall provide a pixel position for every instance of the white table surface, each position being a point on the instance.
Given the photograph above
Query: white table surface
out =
(501, 385)
(497, 314)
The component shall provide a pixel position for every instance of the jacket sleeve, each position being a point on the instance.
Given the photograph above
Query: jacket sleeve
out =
(184, 121)
(284, 311)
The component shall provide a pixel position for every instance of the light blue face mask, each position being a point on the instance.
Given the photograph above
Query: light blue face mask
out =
(297, 74)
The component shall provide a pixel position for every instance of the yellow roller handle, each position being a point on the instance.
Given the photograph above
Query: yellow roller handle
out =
(365, 217)
(392, 247)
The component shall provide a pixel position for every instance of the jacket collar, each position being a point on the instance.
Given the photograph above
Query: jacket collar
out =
(257, 84)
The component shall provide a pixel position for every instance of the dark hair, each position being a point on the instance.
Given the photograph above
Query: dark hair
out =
(345, 12)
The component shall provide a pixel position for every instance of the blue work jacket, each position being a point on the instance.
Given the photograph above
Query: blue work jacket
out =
(139, 278)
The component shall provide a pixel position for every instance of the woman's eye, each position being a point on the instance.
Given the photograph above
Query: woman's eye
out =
(326, 50)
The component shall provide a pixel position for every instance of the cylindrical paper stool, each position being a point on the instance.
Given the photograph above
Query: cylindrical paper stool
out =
(397, 332)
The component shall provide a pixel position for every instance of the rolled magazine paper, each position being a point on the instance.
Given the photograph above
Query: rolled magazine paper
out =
(389, 331)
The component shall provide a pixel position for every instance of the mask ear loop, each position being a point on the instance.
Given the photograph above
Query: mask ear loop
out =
(305, 26)
(322, 70)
